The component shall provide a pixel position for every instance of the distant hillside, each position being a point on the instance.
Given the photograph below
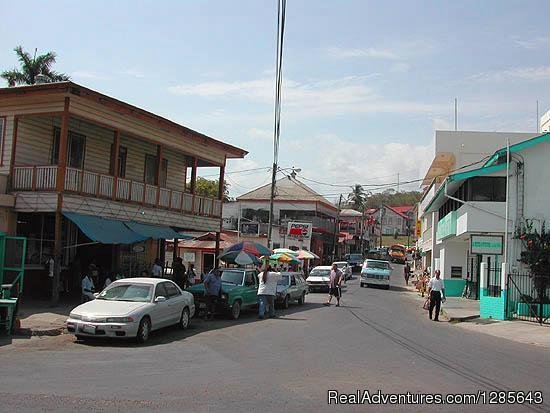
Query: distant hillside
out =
(392, 198)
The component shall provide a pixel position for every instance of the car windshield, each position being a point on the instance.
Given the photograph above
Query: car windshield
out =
(319, 272)
(232, 277)
(341, 264)
(355, 257)
(127, 292)
(378, 264)
(284, 280)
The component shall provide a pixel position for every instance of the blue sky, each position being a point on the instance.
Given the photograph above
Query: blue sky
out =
(366, 83)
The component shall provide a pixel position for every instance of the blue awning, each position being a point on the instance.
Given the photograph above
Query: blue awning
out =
(106, 231)
(152, 231)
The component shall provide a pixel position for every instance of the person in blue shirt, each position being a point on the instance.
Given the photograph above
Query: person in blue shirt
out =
(212, 288)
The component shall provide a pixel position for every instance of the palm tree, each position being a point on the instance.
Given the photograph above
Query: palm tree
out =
(357, 197)
(31, 67)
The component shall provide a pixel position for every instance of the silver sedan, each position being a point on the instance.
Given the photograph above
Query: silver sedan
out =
(132, 307)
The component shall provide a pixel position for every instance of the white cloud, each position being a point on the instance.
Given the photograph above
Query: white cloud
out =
(87, 74)
(260, 134)
(539, 42)
(371, 52)
(331, 97)
(400, 67)
(524, 73)
(132, 72)
(352, 163)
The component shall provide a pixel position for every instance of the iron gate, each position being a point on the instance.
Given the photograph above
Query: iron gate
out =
(528, 298)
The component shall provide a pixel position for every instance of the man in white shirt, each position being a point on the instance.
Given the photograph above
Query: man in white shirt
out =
(87, 289)
(267, 289)
(436, 291)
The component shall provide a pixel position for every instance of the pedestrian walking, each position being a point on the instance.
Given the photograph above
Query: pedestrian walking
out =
(178, 273)
(407, 273)
(191, 274)
(267, 289)
(335, 285)
(212, 288)
(436, 291)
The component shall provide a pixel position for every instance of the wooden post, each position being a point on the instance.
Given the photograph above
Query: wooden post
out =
(175, 251)
(159, 171)
(57, 252)
(63, 147)
(116, 149)
(13, 147)
(194, 175)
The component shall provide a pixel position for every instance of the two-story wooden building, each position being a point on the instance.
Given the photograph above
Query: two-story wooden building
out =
(91, 178)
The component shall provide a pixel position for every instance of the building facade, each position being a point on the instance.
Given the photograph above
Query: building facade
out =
(96, 181)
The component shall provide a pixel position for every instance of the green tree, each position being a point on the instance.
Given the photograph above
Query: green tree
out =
(356, 198)
(32, 67)
(209, 188)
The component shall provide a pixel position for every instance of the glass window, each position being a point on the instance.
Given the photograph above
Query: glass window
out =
(456, 272)
(171, 290)
(76, 149)
(160, 291)
(122, 156)
(249, 280)
(488, 188)
(151, 171)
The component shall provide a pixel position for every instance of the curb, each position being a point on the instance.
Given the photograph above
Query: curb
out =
(29, 332)
(452, 319)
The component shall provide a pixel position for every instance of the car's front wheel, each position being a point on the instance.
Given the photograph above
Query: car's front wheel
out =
(144, 330)
(236, 310)
(184, 319)
(302, 299)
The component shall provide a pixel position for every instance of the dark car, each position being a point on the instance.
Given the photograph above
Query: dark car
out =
(355, 261)
(291, 287)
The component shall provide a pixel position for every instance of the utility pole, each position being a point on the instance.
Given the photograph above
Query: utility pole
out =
(362, 229)
(456, 114)
(381, 206)
(336, 229)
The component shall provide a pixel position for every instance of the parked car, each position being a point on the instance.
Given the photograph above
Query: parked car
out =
(291, 287)
(344, 267)
(132, 307)
(355, 261)
(239, 292)
(319, 278)
(376, 272)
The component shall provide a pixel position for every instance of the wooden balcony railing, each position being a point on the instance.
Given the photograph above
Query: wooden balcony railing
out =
(98, 185)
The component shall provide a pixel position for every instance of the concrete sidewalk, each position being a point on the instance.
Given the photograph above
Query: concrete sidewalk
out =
(465, 314)
(42, 319)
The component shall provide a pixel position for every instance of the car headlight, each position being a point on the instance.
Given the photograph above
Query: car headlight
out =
(224, 296)
(119, 320)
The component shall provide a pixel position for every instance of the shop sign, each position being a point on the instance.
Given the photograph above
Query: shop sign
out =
(486, 244)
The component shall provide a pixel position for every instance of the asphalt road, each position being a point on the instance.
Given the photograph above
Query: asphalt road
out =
(377, 340)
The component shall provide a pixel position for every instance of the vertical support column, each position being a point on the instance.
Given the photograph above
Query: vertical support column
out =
(175, 251)
(220, 197)
(194, 175)
(63, 147)
(116, 150)
(57, 255)
(483, 279)
(13, 147)
(159, 171)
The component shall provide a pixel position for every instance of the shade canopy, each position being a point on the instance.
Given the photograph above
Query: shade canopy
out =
(306, 255)
(238, 257)
(106, 231)
(152, 231)
(252, 248)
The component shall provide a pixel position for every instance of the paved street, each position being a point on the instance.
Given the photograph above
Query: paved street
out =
(377, 340)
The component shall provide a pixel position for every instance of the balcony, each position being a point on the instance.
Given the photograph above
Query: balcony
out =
(103, 186)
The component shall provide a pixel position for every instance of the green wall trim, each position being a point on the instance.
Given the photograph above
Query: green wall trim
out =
(454, 287)
(492, 307)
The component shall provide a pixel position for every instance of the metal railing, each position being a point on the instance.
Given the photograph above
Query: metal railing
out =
(44, 178)
(528, 298)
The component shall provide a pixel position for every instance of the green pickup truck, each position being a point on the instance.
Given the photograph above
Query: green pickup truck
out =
(239, 292)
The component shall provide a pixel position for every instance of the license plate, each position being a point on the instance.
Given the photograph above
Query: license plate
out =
(86, 328)
(202, 305)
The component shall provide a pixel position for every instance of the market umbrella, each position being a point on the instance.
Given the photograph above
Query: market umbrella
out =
(239, 257)
(306, 255)
(249, 247)
(284, 251)
(281, 257)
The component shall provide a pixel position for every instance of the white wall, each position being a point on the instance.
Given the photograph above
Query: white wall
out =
(453, 253)
(545, 122)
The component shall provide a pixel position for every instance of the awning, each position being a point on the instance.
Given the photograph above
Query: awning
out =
(106, 231)
(152, 231)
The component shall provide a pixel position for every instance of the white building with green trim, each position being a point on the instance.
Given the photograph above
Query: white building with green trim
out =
(475, 214)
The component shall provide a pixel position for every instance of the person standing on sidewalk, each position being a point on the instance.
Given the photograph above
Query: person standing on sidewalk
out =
(436, 291)
(267, 289)
(212, 289)
(335, 285)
